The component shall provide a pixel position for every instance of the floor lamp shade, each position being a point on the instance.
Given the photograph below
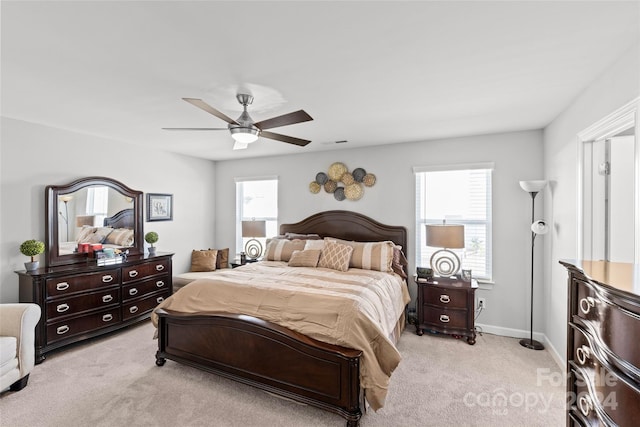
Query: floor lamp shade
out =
(537, 227)
(447, 236)
(253, 229)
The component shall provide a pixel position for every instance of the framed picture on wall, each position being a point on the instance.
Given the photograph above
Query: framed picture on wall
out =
(159, 207)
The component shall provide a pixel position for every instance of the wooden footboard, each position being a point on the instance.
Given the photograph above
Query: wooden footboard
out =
(266, 356)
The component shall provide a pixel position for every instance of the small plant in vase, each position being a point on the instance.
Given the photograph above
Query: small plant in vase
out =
(151, 238)
(31, 248)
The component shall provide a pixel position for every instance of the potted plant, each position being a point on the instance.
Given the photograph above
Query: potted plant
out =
(151, 238)
(31, 248)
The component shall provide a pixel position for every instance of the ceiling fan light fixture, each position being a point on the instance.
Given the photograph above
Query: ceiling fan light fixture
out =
(244, 135)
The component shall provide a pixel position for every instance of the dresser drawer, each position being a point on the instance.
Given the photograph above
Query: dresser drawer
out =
(141, 306)
(142, 271)
(143, 287)
(63, 286)
(78, 325)
(444, 318)
(443, 297)
(62, 307)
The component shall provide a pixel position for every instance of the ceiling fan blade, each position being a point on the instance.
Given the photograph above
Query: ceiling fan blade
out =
(209, 109)
(285, 138)
(195, 129)
(286, 119)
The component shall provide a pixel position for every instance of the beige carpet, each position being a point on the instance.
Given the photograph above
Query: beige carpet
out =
(113, 381)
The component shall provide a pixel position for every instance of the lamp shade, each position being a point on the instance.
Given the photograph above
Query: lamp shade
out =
(82, 220)
(254, 229)
(244, 135)
(533, 186)
(445, 236)
(540, 227)
(66, 198)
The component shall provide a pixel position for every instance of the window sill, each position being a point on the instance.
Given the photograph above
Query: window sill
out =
(486, 285)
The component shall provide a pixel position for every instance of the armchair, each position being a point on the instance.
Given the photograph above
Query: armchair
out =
(17, 344)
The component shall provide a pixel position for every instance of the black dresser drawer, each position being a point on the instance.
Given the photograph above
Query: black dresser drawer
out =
(70, 306)
(81, 324)
(142, 306)
(143, 287)
(145, 270)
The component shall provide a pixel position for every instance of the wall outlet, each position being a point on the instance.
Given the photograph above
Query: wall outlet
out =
(482, 303)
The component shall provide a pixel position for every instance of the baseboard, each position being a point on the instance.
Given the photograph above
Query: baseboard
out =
(519, 333)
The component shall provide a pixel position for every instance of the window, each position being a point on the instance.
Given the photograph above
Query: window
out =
(97, 203)
(256, 199)
(458, 194)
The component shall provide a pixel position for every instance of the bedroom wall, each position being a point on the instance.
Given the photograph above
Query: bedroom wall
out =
(34, 156)
(616, 87)
(516, 155)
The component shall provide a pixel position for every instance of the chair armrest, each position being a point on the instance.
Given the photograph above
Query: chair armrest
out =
(20, 320)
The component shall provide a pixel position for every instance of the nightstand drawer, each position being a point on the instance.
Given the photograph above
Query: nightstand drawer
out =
(442, 297)
(445, 318)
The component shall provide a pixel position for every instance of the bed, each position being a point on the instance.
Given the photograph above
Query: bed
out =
(279, 359)
(117, 232)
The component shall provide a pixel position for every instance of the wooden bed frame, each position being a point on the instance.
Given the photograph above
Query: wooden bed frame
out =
(268, 356)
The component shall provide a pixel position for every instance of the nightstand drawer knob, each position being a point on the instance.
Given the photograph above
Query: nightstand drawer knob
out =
(584, 403)
(583, 353)
(586, 304)
(63, 286)
(445, 299)
(159, 267)
(444, 318)
(61, 308)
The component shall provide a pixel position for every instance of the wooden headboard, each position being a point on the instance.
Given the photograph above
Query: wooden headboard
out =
(348, 225)
(123, 219)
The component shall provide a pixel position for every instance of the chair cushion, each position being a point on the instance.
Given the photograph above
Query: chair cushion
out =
(8, 354)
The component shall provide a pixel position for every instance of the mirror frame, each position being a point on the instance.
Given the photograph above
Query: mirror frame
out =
(53, 192)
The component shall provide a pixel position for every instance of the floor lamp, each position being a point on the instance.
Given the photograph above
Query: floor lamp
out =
(537, 227)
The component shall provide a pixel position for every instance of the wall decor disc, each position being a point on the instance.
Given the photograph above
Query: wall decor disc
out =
(347, 178)
(314, 187)
(339, 194)
(330, 186)
(321, 178)
(354, 191)
(358, 174)
(336, 170)
(369, 179)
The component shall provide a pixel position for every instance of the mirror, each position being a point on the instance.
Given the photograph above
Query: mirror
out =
(92, 210)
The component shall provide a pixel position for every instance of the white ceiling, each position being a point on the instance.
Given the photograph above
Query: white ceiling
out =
(367, 72)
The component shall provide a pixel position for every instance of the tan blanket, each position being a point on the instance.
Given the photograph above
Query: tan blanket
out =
(356, 309)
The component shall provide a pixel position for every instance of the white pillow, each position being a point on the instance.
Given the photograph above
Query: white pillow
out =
(314, 244)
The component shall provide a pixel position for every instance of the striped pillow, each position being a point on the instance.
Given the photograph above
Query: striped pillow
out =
(306, 258)
(281, 249)
(370, 255)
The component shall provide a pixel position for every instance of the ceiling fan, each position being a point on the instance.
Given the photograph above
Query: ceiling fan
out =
(244, 130)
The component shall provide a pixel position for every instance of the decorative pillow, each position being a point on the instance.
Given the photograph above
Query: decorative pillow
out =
(305, 258)
(293, 236)
(222, 260)
(84, 233)
(314, 244)
(399, 262)
(99, 235)
(120, 237)
(335, 256)
(204, 260)
(281, 250)
(370, 255)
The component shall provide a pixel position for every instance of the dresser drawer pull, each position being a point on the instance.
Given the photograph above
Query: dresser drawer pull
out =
(584, 404)
(159, 299)
(159, 283)
(586, 304)
(583, 353)
(159, 267)
(133, 291)
(107, 298)
(444, 318)
(133, 273)
(63, 286)
(61, 330)
(445, 299)
(61, 308)
(107, 278)
(133, 309)
(107, 317)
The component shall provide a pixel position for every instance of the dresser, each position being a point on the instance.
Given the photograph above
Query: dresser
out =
(445, 305)
(603, 343)
(82, 301)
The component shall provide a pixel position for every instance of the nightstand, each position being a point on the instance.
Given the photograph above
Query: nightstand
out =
(446, 305)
